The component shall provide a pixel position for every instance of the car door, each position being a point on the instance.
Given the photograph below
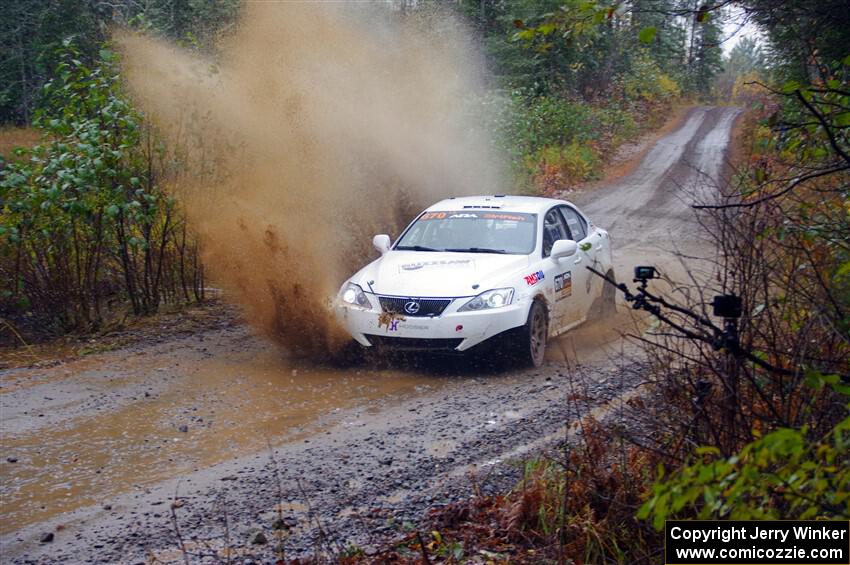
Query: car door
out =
(557, 272)
(586, 285)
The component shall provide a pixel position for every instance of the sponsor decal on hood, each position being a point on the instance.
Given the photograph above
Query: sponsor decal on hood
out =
(438, 263)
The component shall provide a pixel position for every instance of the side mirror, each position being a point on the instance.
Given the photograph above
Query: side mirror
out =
(564, 248)
(381, 243)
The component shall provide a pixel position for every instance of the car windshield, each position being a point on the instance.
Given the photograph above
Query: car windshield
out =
(471, 231)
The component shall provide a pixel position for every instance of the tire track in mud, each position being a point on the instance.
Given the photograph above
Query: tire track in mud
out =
(386, 460)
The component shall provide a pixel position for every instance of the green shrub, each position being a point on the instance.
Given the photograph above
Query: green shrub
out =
(84, 220)
(616, 125)
(557, 168)
(647, 81)
(784, 475)
(547, 121)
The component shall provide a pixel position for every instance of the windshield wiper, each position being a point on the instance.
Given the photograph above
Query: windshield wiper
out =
(477, 250)
(415, 248)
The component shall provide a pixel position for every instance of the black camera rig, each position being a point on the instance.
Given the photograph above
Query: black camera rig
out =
(726, 306)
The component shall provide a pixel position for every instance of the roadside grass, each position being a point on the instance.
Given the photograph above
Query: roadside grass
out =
(578, 508)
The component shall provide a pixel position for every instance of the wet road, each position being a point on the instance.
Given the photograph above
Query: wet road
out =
(95, 428)
(101, 444)
(648, 212)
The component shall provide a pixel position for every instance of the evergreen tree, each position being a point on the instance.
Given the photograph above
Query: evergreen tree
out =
(746, 61)
(806, 36)
(706, 60)
(32, 33)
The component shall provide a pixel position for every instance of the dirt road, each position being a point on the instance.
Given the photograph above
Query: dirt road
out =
(94, 451)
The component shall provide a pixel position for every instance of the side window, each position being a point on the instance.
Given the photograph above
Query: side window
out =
(577, 224)
(554, 229)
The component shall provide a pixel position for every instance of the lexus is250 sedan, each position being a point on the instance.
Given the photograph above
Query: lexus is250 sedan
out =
(474, 269)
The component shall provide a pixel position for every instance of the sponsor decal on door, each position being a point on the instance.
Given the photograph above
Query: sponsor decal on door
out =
(563, 285)
(534, 278)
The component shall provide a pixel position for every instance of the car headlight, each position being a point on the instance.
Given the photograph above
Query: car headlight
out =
(490, 299)
(354, 295)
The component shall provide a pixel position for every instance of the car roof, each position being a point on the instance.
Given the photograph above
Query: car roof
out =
(527, 204)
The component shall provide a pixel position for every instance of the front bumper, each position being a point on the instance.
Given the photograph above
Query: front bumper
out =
(450, 331)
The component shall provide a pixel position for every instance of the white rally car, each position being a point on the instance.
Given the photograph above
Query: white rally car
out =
(470, 269)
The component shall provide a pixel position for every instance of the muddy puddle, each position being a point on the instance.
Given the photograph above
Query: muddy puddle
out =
(168, 418)
(83, 432)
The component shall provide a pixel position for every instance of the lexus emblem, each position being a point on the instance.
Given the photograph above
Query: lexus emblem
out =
(411, 307)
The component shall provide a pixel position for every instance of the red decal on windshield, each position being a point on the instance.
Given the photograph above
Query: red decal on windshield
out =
(511, 217)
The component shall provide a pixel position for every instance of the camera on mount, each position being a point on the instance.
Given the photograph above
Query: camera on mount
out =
(727, 306)
(645, 273)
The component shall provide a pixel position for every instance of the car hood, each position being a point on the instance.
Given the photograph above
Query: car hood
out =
(432, 274)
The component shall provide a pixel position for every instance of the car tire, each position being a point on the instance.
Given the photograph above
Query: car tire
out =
(531, 345)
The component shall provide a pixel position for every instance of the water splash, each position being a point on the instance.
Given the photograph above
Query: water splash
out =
(317, 126)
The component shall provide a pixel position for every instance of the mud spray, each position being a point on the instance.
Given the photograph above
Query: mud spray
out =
(315, 127)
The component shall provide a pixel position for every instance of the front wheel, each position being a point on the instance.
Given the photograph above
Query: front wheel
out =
(532, 336)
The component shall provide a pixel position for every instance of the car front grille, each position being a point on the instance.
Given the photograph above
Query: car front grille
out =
(413, 343)
(427, 307)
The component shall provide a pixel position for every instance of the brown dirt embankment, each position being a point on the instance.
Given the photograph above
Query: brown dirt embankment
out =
(11, 137)
(739, 149)
(164, 326)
